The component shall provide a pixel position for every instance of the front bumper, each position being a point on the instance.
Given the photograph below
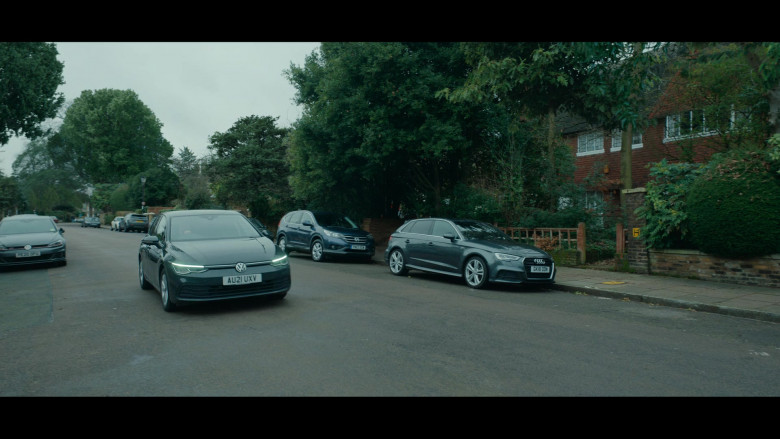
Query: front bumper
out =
(207, 286)
(8, 258)
(341, 247)
(516, 272)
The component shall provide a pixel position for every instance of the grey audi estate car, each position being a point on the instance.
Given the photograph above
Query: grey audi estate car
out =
(473, 250)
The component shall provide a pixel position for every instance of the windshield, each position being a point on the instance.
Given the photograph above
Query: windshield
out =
(327, 219)
(216, 226)
(32, 225)
(480, 230)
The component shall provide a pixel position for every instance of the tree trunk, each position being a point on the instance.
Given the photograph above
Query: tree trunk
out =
(625, 160)
(552, 183)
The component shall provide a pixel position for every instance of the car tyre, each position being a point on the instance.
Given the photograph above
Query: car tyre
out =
(317, 254)
(282, 243)
(165, 293)
(144, 284)
(475, 272)
(397, 263)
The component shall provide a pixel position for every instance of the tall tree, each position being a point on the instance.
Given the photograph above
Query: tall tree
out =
(248, 166)
(193, 183)
(110, 136)
(370, 112)
(618, 89)
(599, 81)
(10, 195)
(45, 179)
(29, 77)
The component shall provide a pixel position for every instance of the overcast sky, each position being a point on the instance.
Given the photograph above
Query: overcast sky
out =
(194, 89)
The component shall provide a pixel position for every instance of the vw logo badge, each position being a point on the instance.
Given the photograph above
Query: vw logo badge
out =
(27, 247)
(241, 267)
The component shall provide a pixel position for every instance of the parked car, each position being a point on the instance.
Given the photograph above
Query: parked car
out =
(323, 234)
(137, 222)
(91, 221)
(117, 223)
(55, 219)
(261, 227)
(78, 220)
(473, 250)
(206, 255)
(31, 239)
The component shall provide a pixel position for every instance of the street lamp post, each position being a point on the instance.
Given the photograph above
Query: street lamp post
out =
(143, 194)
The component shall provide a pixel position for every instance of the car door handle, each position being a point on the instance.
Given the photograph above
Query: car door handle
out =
(407, 241)
(430, 243)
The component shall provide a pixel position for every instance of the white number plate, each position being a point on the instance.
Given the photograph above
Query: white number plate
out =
(28, 254)
(242, 279)
(358, 247)
(540, 269)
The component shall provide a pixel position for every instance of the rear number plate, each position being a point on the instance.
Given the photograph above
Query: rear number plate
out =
(28, 254)
(242, 279)
(540, 269)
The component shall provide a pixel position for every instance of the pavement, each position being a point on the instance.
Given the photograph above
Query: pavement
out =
(752, 302)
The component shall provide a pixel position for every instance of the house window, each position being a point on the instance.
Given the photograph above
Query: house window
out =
(590, 143)
(617, 138)
(686, 125)
(594, 200)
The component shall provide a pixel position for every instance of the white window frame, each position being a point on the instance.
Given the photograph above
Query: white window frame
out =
(592, 142)
(617, 139)
(673, 121)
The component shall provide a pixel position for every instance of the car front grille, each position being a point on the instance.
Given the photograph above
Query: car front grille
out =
(529, 262)
(21, 247)
(208, 292)
(356, 239)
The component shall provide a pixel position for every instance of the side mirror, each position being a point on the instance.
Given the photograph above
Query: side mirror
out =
(307, 223)
(62, 230)
(151, 240)
(449, 236)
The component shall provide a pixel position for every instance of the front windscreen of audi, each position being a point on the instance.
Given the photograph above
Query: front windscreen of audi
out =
(207, 255)
(31, 239)
(473, 250)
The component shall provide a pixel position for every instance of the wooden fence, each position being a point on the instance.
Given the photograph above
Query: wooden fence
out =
(551, 238)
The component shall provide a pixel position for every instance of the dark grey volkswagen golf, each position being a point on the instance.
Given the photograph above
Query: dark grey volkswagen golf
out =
(206, 255)
(473, 250)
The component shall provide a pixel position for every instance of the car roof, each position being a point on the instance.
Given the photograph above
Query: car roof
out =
(23, 216)
(173, 213)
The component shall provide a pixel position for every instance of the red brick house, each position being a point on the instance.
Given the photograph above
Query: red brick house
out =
(597, 151)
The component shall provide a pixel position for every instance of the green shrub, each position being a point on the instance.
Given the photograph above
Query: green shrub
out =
(734, 207)
(665, 211)
(599, 250)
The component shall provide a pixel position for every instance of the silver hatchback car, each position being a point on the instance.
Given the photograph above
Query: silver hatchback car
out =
(473, 250)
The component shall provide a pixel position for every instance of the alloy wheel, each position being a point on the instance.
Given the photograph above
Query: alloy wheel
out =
(316, 251)
(475, 273)
(165, 294)
(396, 262)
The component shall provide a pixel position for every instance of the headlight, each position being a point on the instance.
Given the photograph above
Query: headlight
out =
(278, 262)
(57, 243)
(333, 234)
(187, 269)
(506, 257)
